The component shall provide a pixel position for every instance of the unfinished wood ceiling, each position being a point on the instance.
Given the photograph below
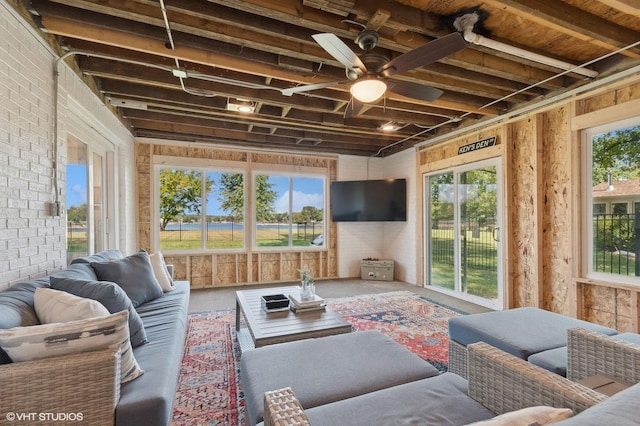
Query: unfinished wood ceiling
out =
(171, 67)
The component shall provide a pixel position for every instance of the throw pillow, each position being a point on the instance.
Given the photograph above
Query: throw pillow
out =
(111, 296)
(59, 306)
(4, 358)
(59, 339)
(160, 271)
(134, 274)
(530, 416)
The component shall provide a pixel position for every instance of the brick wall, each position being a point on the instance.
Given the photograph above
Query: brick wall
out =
(32, 242)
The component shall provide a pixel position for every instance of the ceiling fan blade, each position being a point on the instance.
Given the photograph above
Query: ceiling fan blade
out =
(340, 51)
(308, 87)
(425, 55)
(354, 107)
(414, 90)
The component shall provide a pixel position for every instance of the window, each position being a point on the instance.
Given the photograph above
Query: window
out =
(619, 208)
(613, 173)
(76, 199)
(86, 199)
(200, 209)
(289, 210)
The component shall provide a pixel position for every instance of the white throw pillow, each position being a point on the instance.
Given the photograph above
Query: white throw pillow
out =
(60, 306)
(530, 416)
(59, 339)
(161, 272)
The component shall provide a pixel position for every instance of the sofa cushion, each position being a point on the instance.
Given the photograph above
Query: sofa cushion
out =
(78, 271)
(59, 306)
(328, 369)
(520, 332)
(148, 400)
(554, 360)
(629, 337)
(160, 271)
(59, 339)
(134, 274)
(103, 256)
(16, 304)
(619, 410)
(440, 400)
(538, 416)
(111, 296)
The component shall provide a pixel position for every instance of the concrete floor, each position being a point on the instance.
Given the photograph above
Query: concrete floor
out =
(224, 297)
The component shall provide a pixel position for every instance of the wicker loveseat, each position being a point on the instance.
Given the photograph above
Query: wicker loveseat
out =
(85, 388)
(498, 381)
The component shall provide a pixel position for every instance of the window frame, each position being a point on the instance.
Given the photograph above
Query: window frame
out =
(284, 172)
(204, 169)
(587, 135)
(249, 170)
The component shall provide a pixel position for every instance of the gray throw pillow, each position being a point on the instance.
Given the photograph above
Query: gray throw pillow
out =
(134, 274)
(108, 294)
(4, 357)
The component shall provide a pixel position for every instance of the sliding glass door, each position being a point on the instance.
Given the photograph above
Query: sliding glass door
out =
(462, 230)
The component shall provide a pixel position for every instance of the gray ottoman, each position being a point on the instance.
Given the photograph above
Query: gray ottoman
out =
(328, 369)
(441, 400)
(522, 332)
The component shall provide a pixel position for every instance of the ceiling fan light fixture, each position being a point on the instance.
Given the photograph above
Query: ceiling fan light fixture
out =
(368, 89)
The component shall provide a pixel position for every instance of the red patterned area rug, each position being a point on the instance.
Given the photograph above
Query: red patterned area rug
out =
(411, 320)
(209, 389)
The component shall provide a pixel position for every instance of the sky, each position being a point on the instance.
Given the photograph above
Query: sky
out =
(76, 184)
(307, 191)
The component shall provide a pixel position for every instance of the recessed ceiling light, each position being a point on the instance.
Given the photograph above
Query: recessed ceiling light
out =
(391, 126)
(240, 106)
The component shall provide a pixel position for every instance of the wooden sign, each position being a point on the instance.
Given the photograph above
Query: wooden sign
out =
(474, 146)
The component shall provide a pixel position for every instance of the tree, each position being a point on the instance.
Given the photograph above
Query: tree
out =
(181, 194)
(77, 214)
(265, 199)
(616, 152)
(310, 213)
(231, 195)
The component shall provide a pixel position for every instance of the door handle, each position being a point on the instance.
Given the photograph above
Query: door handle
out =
(496, 234)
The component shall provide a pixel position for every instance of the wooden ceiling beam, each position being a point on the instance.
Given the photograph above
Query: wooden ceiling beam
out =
(251, 37)
(570, 20)
(69, 28)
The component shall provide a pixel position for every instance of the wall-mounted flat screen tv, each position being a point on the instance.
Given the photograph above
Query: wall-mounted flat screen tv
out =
(369, 200)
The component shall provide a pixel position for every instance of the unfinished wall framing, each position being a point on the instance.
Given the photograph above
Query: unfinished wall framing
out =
(251, 266)
(541, 154)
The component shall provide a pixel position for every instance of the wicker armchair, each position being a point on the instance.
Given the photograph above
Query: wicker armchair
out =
(503, 382)
(499, 381)
(83, 386)
(590, 353)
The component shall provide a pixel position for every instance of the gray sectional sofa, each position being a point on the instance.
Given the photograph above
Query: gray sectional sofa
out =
(87, 384)
(501, 388)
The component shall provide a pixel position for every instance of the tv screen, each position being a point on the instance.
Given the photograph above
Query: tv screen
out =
(369, 200)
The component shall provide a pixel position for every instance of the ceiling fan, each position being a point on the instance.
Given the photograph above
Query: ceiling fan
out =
(370, 72)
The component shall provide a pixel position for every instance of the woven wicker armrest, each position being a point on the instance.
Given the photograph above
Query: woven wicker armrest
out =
(85, 387)
(590, 353)
(282, 408)
(502, 383)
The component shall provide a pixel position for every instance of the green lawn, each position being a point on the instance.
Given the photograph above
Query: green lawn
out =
(226, 239)
(481, 262)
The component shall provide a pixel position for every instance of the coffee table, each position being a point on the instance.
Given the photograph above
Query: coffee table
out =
(266, 328)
